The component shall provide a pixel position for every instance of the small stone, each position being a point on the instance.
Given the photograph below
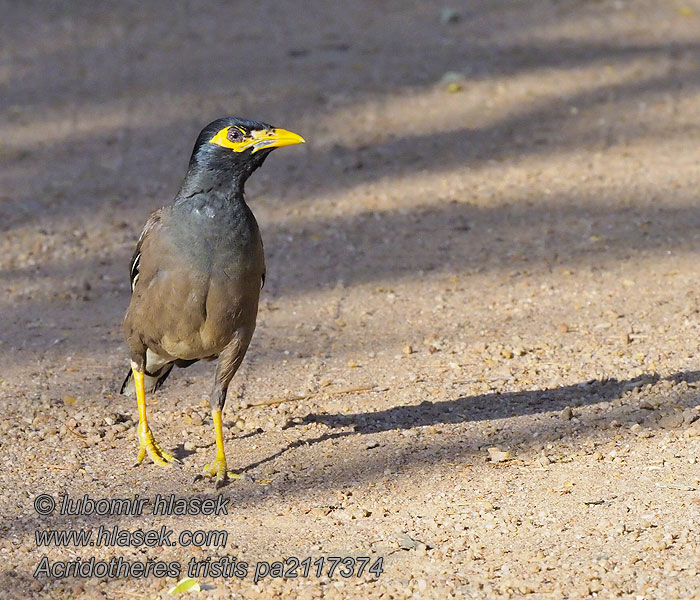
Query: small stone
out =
(690, 415)
(449, 16)
(563, 328)
(566, 414)
(189, 446)
(506, 353)
(320, 511)
(406, 542)
(360, 513)
(407, 349)
(693, 430)
(543, 460)
(672, 421)
(498, 455)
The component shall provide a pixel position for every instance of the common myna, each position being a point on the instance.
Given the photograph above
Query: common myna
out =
(197, 272)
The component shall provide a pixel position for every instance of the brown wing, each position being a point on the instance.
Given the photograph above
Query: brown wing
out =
(135, 264)
(181, 308)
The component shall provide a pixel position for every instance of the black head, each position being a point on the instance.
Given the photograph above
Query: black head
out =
(235, 147)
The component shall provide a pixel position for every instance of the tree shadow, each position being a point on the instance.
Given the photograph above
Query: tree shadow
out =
(137, 142)
(453, 237)
(346, 165)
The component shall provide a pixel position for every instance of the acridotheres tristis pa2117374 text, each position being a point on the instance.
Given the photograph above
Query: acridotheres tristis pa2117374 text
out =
(197, 272)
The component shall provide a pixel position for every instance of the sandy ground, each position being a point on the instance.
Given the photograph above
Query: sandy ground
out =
(481, 303)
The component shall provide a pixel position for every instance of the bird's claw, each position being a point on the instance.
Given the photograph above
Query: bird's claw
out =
(148, 445)
(217, 468)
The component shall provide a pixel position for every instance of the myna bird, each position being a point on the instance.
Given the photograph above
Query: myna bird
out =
(197, 272)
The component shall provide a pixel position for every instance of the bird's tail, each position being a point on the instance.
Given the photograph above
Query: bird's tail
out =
(154, 376)
(151, 381)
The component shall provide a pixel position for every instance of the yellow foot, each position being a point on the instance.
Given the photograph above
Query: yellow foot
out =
(148, 445)
(217, 468)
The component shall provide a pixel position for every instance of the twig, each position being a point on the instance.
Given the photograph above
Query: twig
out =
(676, 486)
(134, 594)
(75, 433)
(57, 467)
(363, 388)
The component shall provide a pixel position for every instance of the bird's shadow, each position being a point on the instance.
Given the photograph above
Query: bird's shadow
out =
(491, 406)
(488, 407)
(292, 446)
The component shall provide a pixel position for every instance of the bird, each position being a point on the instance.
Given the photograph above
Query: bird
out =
(196, 276)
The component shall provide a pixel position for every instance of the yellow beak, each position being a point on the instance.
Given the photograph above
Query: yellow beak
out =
(275, 138)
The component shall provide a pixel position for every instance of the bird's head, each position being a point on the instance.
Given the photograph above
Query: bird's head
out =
(235, 147)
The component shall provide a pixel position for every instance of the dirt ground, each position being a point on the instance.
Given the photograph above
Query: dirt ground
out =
(481, 308)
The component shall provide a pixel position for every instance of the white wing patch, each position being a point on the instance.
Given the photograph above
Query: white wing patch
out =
(134, 271)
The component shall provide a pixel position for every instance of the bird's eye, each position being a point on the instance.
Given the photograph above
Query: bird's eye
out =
(234, 134)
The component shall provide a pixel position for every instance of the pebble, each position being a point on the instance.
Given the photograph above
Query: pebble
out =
(693, 430)
(543, 460)
(690, 415)
(449, 16)
(320, 511)
(671, 421)
(498, 455)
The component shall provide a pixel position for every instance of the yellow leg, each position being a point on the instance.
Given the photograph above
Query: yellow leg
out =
(147, 443)
(218, 466)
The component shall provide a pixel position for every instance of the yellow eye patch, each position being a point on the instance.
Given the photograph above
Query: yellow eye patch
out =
(257, 139)
(222, 139)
